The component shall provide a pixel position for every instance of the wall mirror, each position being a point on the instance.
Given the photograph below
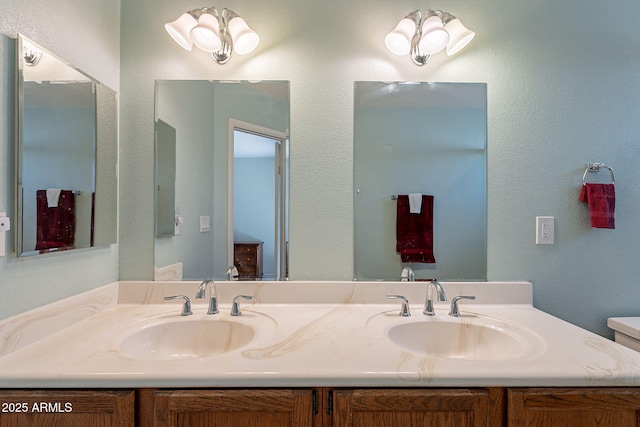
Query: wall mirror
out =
(222, 164)
(421, 138)
(66, 155)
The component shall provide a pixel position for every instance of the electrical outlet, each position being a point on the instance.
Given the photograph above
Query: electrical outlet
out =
(544, 230)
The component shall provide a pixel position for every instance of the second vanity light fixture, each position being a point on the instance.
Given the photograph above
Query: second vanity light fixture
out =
(220, 34)
(422, 36)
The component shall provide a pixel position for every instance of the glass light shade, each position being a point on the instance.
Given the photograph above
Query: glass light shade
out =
(434, 37)
(180, 30)
(460, 36)
(205, 34)
(245, 40)
(398, 41)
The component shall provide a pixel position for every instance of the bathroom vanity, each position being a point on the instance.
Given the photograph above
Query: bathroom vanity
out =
(310, 353)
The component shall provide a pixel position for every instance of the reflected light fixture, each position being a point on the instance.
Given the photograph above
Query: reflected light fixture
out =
(422, 36)
(30, 54)
(219, 34)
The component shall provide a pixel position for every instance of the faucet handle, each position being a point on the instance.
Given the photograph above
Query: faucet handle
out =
(455, 311)
(186, 308)
(235, 306)
(404, 311)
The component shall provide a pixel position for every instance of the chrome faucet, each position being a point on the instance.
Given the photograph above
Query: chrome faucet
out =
(404, 311)
(455, 310)
(186, 308)
(232, 273)
(235, 305)
(407, 275)
(213, 302)
(440, 295)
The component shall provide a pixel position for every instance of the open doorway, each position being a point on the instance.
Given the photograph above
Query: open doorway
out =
(258, 202)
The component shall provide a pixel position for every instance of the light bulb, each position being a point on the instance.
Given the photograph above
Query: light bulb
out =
(180, 30)
(434, 37)
(205, 34)
(398, 41)
(245, 40)
(460, 36)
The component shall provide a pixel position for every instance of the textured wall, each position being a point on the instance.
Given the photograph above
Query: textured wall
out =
(562, 91)
(88, 36)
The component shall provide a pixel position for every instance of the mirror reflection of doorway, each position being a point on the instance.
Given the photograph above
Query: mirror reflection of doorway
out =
(258, 200)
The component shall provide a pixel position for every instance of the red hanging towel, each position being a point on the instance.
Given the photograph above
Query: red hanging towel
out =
(601, 199)
(55, 225)
(414, 232)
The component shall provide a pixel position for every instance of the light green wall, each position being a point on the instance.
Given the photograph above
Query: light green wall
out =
(200, 112)
(562, 91)
(88, 37)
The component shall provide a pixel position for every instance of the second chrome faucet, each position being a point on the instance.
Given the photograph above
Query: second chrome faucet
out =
(434, 291)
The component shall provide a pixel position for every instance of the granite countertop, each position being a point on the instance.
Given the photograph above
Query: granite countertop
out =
(308, 334)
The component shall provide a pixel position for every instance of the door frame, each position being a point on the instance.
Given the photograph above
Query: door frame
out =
(280, 203)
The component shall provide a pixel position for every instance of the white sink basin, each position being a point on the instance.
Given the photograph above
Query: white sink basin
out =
(468, 338)
(186, 339)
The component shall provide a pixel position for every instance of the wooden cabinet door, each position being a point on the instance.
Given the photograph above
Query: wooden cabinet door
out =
(69, 408)
(418, 407)
(233, 407)
(574, 407)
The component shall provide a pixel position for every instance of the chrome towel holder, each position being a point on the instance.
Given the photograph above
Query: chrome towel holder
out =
(595, 167)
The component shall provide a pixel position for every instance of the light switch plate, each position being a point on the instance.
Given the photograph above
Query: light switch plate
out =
(5, 225)
(205, 224)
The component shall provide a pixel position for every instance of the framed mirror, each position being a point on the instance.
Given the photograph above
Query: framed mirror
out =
(222, 164)
(66, 155)
(427, 140)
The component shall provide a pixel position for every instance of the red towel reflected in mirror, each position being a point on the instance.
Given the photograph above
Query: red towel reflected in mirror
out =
(56, 225)
(414, 232)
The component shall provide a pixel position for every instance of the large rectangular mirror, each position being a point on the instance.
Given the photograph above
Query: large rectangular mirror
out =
(426, 139)
(221, 179)
(66, 155)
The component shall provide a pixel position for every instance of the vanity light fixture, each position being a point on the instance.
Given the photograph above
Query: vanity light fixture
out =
(217, 33)
(422, 36)
(31, 54)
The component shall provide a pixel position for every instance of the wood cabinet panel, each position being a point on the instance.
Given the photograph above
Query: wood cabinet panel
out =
(419, 407)
(574, 407)
(69, 408)
(323, 407)
(233, 407)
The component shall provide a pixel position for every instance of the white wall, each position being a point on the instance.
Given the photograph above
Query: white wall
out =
(562, 91)
(89, 37)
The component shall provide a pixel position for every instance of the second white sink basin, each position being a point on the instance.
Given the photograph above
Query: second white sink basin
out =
(456, 340)
(470, 338)
(186, 339)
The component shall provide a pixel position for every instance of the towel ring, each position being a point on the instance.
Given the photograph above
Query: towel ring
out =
(595, 167)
